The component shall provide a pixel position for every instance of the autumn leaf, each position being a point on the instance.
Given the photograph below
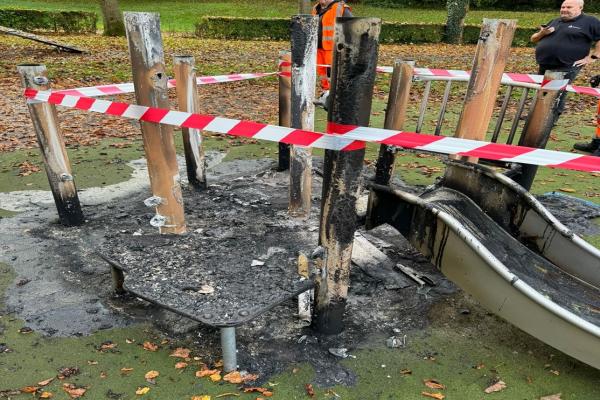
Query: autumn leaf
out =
(556, 396)
(180, 352)
(150, 375)
(150, 346)
(438, 396)
(233, 377)
(74, 391)
(203, 397)
(496, 387)
(108, 345)
(181, 365)
(46, 382)
(46, 395)
(215, 377)
(142, 390)
(309, 390)
(125, 371)
(29, 389)
(206, 372)
(433, 384)
(405, 371)
(65, 372)
(567, 190)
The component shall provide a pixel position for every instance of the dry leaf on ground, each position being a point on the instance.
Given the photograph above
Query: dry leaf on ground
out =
(215, 377)
(203, 397)
(206, 372)
(74, 391)
(438, 396)
(433, 384)
(181, 365)
(29, 389)
(150, 375)
(46, 395)
(233, 377)
(556, 396)
(180, 352)
(150, 346)
(496, 387)
(142, 391)
(309, 390)
(46, 382)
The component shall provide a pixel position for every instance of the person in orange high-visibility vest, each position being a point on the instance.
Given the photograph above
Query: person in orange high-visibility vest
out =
(328, 11)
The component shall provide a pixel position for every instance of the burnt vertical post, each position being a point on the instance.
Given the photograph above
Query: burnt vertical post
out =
(354, 66)
(395, 117)
(52, 147)
(493, 49)
(304, 79)
(150, 83)
(540, 123)
(187, 98)
(285, 78)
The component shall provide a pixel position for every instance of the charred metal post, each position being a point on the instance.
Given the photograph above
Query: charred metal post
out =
(285, 79)
(354, 64)
(150, 82)
(304, 78)
(229, 349)
(492, 52)
(187, 97)
(395, 116)
(52, 147)
(539, 124)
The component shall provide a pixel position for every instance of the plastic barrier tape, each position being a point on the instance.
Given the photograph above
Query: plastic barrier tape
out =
(339, 137)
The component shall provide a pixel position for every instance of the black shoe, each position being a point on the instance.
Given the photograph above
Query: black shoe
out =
(588, 147)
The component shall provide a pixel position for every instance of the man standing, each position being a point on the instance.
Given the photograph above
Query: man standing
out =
(563, 44)
(328, 11)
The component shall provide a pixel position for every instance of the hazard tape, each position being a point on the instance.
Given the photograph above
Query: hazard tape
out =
(339, 137)
(123, 88)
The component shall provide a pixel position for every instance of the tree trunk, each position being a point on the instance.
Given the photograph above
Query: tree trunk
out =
(457, 11)
(113, 18)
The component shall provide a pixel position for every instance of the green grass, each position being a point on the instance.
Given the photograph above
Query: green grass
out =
(181, 16)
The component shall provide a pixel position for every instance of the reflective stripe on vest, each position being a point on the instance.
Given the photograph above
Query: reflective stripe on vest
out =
(328, 23)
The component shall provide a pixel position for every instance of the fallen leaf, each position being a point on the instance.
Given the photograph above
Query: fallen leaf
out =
(129, 341)
(556, 396)
(309, 390)
(29, 389)
(150, 346)
(90, 362)
(203, 397)
(405, 371)
(108, 345)
(206, 372)
(103, 374)
(46, 395)
(233, 377)
(496, 387)
(46, 382)
(567, 190)
(433, 384)
(206, 289)
(142, 391)
(126, 370)
(74, 391)
(215, 377)
(227, 394)
(151, 374)
(65, 372)
(438, 396)
(181, 365)
(180, 352)
(555, 372)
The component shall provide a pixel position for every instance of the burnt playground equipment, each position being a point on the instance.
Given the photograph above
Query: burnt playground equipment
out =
(353, 76)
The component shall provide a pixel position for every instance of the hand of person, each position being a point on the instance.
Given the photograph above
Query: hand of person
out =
(584, 61)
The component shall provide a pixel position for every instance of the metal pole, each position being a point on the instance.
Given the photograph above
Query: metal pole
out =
(354, 64)
(518, 113)
(502, 114)
(150, 82)
(492, 52)
(304, 77)
(423, 107)
(229, 349)
(539, 125)
(395, 116)
(440, 122)
(187, 97)
(52, 147)
(285, 74)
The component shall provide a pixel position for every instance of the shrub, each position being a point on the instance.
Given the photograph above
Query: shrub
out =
(67, 21)
(278, 29)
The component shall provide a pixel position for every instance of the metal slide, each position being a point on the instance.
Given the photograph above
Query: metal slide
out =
(508, 252)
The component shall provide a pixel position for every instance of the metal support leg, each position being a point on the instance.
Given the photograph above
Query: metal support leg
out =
(229, 349)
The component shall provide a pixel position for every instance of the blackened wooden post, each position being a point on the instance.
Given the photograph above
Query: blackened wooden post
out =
(187, 97)
(493, 49)
(540, 123)
(285, 78)
(304, 79)
(52, 147)
(395, 116)
(354, 65)
(150, 82)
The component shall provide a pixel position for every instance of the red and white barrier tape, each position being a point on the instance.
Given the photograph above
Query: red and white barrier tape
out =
(122, 88)
(340, 137)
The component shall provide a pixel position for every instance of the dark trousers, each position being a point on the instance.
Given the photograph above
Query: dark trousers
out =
(570, 74)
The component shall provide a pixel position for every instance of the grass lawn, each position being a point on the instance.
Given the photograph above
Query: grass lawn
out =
(181, 15)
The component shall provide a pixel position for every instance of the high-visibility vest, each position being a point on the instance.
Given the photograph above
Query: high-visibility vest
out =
(328, 22)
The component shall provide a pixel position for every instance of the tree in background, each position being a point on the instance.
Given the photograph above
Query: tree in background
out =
(113, 18)
(457, 11)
